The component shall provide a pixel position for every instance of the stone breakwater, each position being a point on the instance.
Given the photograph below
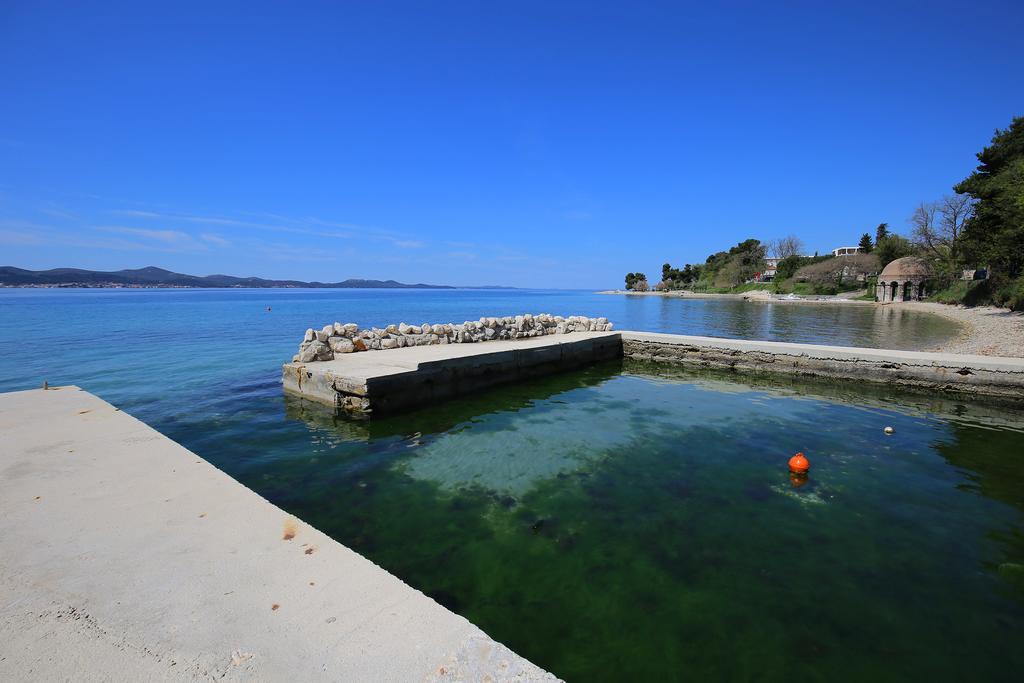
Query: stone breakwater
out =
(336, 339)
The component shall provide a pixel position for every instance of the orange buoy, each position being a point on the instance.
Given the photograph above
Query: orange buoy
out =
(798, 464)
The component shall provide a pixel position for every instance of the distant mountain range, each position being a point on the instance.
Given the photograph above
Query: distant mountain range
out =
(158, 277)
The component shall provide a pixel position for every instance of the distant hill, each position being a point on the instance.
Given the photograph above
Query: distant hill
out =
(158, 277)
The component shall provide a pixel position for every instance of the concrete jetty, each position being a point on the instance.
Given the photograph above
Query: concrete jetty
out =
(404, 378)
(987, 377)
(124, 556)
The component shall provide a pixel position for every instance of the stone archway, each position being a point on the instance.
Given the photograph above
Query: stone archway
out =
(908, 291)
(893, 288)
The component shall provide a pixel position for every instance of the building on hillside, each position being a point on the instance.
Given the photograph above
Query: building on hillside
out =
(846, 251)
(903, 280)
(771, 267)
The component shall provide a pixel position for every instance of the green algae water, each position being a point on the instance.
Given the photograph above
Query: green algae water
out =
(625, 522)
(632, 522)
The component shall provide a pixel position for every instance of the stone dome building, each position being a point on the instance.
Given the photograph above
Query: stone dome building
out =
(903, 280)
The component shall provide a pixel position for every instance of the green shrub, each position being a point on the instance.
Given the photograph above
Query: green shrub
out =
(994, 292)
(954, 293)
(1009, 294)
(978, 293)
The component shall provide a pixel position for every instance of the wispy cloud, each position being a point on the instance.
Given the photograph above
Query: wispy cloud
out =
(214, 239)
(54, 212)
(25, 233)
(18, 238)
(173, 237)
(308, 226)
(406, 244)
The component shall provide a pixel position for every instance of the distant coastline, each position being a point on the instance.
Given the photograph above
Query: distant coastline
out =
(152, 277)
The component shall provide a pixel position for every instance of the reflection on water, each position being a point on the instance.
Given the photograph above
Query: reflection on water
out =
(631, 521)
(887, 327)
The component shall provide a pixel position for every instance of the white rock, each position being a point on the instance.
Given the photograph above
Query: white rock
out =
(389, 343)
(310, 335)
(341, 345)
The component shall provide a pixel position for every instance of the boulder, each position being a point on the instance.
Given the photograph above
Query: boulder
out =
(389, 343)
(359, 344)
(316, 350)
(341, 345)
(310, 335)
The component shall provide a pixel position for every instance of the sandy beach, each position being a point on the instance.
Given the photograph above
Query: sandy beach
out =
(987, 330)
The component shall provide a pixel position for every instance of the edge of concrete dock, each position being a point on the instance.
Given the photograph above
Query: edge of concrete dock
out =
(376, 382)
(124, 556)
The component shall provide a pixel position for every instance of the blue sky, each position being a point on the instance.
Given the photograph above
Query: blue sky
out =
(536, 144)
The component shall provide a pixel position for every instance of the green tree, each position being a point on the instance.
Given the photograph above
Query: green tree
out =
(636, 282)
(994, 234)
(788, 266)
(891, 248)
(881, 232)
(865, 243)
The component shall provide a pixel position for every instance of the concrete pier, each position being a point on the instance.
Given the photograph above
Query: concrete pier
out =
(124, 556)
(398, 379)
(980, 376)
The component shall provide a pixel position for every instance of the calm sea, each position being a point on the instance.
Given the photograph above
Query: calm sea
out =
(627, 521)
(161, 354)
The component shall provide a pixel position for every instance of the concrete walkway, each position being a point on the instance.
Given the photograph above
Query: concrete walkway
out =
(124, 556)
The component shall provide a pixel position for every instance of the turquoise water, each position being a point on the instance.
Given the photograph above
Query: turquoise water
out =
(166, 354)
(621, 522)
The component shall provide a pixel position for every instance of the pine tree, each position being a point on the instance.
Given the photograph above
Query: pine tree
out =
(865, 243)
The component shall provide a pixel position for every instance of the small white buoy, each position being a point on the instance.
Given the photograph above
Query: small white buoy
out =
(889, 430)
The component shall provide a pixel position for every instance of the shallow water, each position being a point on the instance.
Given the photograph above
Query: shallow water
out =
(621, 522)
(637, 523)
